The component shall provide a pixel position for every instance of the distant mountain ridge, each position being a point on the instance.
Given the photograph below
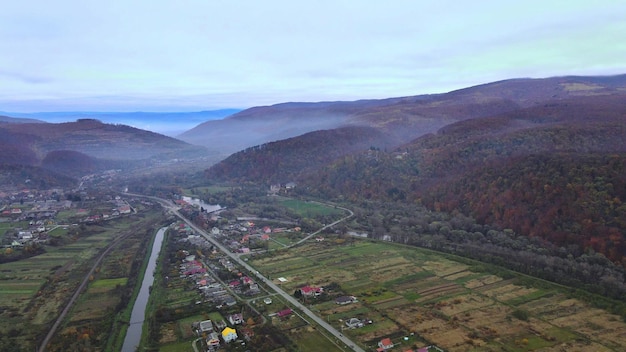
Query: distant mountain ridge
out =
(168, 123)
(404, 118)
(8, 119)
(86, 145)
(401, 120)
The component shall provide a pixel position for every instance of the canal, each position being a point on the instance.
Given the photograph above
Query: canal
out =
(137, 316)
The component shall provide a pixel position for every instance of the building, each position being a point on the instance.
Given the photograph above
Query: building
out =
(385, 344)
(229, 334)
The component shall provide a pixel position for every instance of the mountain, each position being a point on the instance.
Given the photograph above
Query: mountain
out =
(545, 158)
(404, 118)
(87, 145)
(7, 119)
(167, 123)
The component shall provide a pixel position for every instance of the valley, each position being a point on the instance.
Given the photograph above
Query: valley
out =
(485, 219)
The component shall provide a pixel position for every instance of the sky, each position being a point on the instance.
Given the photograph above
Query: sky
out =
(192, 55)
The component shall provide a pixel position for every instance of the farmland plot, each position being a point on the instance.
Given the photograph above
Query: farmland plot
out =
(443, 302)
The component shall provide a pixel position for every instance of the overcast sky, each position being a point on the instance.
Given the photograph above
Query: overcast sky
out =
(157, 55)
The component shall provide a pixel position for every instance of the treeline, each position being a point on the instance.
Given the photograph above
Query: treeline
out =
(462, 235)
(562, 183)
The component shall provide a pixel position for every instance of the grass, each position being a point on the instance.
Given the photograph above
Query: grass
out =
(310, 209)
(109, 283)
(529, 297)
(176, 347)
(315, 341)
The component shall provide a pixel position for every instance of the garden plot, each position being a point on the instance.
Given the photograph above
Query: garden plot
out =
(597, 325)
(438, 291)
(446, 303)
(508, 292)
(464, 303)
(459, 275)
(444, 333)
(444, 267)
(482, 281)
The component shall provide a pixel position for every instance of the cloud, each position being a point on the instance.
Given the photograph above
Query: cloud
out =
(162, 54)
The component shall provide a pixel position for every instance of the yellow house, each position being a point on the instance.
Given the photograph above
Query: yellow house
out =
(229, 334)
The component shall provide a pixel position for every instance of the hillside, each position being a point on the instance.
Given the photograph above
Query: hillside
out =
(286, 160)
(552, 168)
(557, 172)
(86, 145)
(405, 118)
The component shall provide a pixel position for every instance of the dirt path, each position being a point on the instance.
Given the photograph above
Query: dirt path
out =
(78, 291)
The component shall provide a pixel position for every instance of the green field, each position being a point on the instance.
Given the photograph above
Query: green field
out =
(310, 209)
(109, 283)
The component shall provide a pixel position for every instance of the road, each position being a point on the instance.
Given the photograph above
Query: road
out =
(289, 298)
(351, 214)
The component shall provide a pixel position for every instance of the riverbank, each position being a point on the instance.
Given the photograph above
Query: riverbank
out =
(122, 319)
(137, 320)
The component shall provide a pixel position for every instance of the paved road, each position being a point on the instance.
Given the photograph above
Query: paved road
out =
(294, 302)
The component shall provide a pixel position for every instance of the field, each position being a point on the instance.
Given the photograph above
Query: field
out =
(34, 290)
(309, 209)
(432, 299)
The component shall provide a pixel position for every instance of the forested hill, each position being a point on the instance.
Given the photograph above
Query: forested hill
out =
(85, 146)
(556, 171)
(287, 160)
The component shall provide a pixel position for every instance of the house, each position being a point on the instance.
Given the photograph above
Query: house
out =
(230, 301)
(385, 344)
(345, 300)
(213, 339)
(236, 319)
(205, 326)
(309, 291)
(247, 281)
(354, 323)
(229, 334)
(285, 312)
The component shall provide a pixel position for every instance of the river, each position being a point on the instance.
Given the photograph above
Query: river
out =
(133, 335)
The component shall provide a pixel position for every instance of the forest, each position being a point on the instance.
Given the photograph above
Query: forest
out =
(539, 190)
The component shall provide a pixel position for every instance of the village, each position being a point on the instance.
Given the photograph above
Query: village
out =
(30, 215)
(239, 304)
